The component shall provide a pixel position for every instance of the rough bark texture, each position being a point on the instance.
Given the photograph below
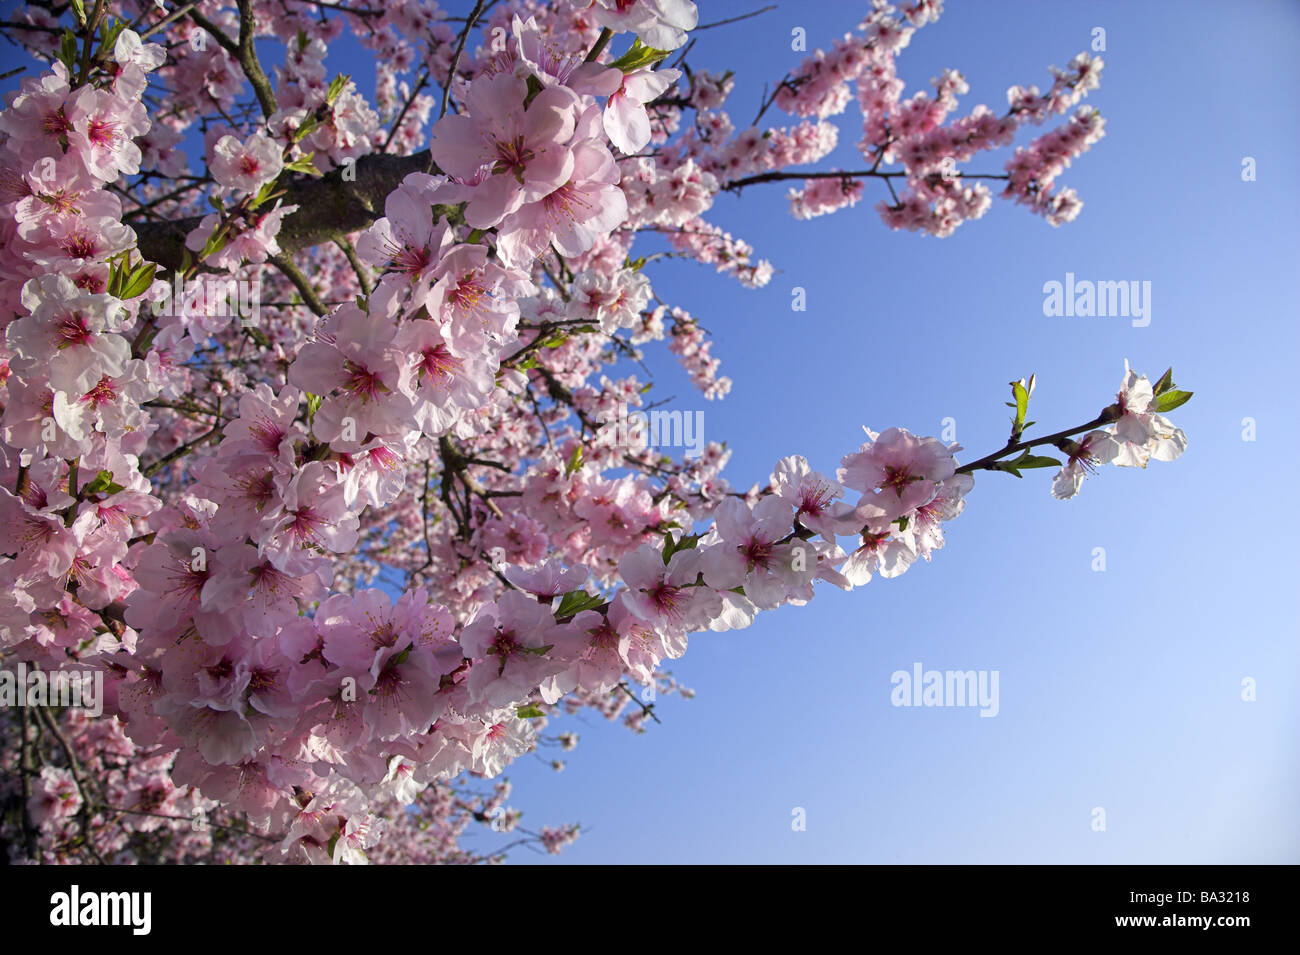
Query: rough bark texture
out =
(328, 208)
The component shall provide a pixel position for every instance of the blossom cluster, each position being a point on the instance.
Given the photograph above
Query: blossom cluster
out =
(198, 506)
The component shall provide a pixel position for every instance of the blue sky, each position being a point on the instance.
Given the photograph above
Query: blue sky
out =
(1119, 689)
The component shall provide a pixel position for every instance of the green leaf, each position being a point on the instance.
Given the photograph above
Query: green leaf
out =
(639, 57)
(263, 195)
(1165, 383)
(1037, 461)
(116, 280)
(138, 281)
(1173, 399)
(334, 841)
(110, 34)
(68, 49)
(528, 712)
(79, 8)
(575, 602)
(534, 89)
(1020, 394)
(575, 461)
(1025, 461)
(214, 245)
(309, 126)
(103, 483)
(313, 403)
(671, 547)
(336, 88)
(303, 164)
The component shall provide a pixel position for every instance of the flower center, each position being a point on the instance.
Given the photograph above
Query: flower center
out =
(513, 156)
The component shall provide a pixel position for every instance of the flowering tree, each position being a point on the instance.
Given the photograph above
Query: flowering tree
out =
(266, 340)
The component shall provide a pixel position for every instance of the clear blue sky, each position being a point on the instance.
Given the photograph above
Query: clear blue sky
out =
(1119, 689)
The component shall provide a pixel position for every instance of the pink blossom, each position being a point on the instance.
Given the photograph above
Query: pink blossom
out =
(246, 166)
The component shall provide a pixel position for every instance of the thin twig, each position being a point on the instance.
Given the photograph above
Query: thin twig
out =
(455, 58)
(743, 16)
(291, 272)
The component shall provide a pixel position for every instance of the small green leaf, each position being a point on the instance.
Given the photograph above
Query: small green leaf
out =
(1165, 383)
(534, 88)
(79, 8)
(1026, 460)
(309, 126)
(102, 483)
(109, 35)
(639, 57)
(1037, 461)
(575, 461)
(116, 280)
(575, 602)
(671, 547)
(263, 195)
(528, 712)
(1020, 394)
(336, 88)
(68, 49)
(216, 242)
(138, 281)
(1173, 399)
(303, 164)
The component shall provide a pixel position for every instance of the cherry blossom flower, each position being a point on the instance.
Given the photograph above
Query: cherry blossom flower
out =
(246, 166)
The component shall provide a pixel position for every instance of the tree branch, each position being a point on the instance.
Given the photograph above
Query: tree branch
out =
(329, 207)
